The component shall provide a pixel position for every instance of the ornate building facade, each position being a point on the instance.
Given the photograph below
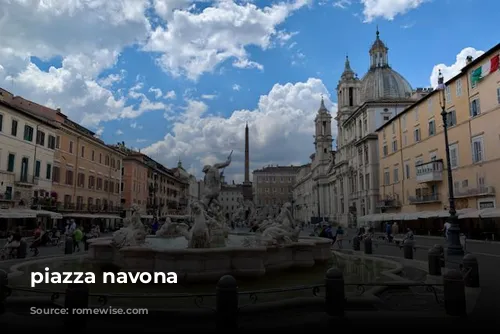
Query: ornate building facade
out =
(346, 185)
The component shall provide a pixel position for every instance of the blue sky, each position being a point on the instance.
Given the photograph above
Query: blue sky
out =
(180, 78)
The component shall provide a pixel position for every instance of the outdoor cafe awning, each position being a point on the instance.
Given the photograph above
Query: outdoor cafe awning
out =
(484, 213)
(18, 213)
(463, 213)
(91, 215)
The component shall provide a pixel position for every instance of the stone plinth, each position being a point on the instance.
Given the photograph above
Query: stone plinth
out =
(209, 264)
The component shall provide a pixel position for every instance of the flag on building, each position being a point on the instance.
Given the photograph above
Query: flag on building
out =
(489, 67)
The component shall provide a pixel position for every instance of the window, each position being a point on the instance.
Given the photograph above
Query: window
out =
(403, 121)
(69, 177)
(48, 172)
(106, 185)
(100, 158)
(38, 165)
(367, 181)
(386, 118)
(396, 175)
(387, 177)
(81, 180)
(459, 87)
(99, 183)
(451, 118)
(454, 155)
(40, 138)
(475, 108)
(93, 155)
(106, 160)
(433, 156)
(1, 122)
(394, 145)
(405, 139)
(13, 130)
(56, 174)
(91, 181)
(432, 128)
(447, 94)
(58, 142)
(51, 143)
(416, 114)
(10, 162)
(28, 133)
(417, 135)
(407, 170)
(498, 95)
(477, 149)
(386, 150)
(83, 152)
(393, 128)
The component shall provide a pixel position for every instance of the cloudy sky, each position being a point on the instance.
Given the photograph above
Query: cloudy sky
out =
(180, 78)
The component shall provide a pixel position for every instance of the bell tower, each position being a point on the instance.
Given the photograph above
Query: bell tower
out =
(323, 134)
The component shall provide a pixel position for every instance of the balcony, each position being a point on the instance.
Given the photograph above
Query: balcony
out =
(388, 203)
(424, 199)
(81, 207)
(26, 180)
(474, 192)
(430, 172)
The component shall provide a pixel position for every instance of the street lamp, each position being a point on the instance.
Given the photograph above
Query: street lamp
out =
(454, 245)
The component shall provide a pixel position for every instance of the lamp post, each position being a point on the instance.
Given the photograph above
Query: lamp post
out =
(454, 245)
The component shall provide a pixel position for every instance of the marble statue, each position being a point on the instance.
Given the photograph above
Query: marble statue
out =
(212, 182)
(279, 231)
(200, 235)
(133, 233)
(172, 230)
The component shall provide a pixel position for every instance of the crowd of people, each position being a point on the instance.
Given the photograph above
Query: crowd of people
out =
(15, 246)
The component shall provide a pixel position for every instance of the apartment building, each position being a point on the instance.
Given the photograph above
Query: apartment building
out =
(273, 185)
(27, 147)
(413, 170)
(231, 197)
(134, 185)
(86, 173)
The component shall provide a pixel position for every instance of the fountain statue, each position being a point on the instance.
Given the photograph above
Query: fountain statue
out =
(133, 233)
(172, 230)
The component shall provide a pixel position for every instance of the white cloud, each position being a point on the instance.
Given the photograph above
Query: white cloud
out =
(134, 125)
(193, 42)
(387, 9)
(342, 4)
(208, 96)
(236, 87)
(156, 91)
(450, 71)
(118, 132)
(281, 129)
(170, 95)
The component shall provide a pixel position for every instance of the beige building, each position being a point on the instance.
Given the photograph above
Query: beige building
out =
(273, 185)
(87, 173)
(231, 197)
(413, 169)
(27, 147)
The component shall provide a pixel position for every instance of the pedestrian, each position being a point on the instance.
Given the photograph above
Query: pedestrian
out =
(446, 228)
(77, 239)
(339, 236)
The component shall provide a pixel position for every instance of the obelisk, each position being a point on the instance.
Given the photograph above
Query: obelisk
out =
(247, 185)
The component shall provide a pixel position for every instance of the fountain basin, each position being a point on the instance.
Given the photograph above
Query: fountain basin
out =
(209, 264)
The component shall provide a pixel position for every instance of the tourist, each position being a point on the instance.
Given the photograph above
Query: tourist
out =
(446, 228)
(408, 236)
(395, 228)
(154, 227)
(37, 238)
(13, 243)
(339, 236)
(77, 239)
(388, 231)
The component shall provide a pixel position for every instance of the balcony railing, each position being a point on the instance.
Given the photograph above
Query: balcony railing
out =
(423, 199)
(26, 180)
(386, 203)
(474, 192)
(430, 172)
(81, 207)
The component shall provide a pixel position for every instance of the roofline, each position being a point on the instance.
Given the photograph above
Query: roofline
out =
(462, 72)
(46, 121)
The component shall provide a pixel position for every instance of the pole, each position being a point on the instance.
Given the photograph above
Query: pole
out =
(317, 189)
(454, 245)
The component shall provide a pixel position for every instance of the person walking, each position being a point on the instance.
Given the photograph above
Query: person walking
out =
(77, 239)
(339, 235)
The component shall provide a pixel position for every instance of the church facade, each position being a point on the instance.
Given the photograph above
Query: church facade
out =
(344, 184)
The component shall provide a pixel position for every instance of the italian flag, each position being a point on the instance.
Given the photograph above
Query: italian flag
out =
(489, 67)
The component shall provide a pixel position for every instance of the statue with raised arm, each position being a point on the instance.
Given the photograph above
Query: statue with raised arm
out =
(212, 182)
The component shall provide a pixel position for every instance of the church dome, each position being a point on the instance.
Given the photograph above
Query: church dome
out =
(383, 83)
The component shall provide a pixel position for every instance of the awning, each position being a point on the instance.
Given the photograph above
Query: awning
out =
(446, 213)
(489, 213)
(28, 213)
(16, 214)
(406, 216)
(91, 215)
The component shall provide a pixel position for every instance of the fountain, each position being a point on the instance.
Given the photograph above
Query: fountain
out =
(207, 250)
